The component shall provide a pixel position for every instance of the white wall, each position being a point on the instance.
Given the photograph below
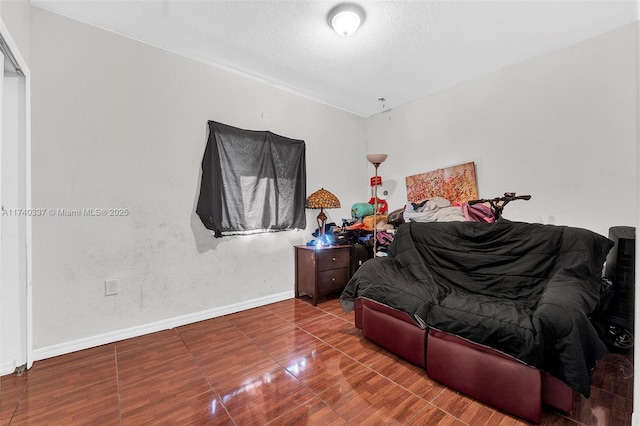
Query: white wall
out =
(16, 15)
(561, 127)
(121, 124)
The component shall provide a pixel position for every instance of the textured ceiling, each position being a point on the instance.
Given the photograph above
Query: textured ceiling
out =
(405, 50)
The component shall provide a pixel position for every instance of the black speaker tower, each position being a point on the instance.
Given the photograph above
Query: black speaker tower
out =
(617, 330)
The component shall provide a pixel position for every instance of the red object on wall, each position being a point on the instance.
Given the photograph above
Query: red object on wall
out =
(373, 181)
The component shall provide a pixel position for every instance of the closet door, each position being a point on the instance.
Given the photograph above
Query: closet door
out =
(10, 342)
(15, 219)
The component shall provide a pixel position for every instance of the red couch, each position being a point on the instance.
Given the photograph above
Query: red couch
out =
(483, 373)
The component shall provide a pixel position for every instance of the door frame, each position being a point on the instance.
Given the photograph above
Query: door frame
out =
(13, 54)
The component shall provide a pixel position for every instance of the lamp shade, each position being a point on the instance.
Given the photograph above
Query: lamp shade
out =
(376, 159)
(322, 199)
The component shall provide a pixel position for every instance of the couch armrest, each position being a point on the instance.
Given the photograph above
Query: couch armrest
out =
(566, 298)
(565, 333)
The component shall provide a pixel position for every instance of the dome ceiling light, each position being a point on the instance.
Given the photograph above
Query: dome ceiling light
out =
(345, 18)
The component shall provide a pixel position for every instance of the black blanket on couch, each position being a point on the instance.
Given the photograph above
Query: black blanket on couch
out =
(524, 289)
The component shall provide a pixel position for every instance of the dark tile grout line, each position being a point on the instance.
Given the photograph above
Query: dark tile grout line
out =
(115, 356)
(24, 390)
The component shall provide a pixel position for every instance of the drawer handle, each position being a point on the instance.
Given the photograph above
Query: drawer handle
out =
(334, 258)
(333, 279)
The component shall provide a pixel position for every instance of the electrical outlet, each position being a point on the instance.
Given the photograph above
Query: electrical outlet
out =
(110, 287)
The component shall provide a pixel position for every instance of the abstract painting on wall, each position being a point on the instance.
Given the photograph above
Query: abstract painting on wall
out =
(456, 184)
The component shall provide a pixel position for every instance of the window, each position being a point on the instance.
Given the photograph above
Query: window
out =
(252, 181)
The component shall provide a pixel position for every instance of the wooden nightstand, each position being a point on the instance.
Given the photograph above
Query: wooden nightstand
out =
(320, 271)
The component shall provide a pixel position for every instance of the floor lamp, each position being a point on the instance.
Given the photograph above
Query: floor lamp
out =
(376, 160)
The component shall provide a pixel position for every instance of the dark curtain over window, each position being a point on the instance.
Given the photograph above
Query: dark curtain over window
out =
(252, 181)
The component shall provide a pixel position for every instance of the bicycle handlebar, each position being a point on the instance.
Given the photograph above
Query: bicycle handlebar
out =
(497, 208)
(508, 196)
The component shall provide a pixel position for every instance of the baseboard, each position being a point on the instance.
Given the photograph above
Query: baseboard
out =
(7, 367)
(114, 336)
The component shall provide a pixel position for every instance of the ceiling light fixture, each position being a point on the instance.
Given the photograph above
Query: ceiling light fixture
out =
(345, 18)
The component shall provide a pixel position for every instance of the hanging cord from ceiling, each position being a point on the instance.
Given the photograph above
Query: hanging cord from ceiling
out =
(383, 106)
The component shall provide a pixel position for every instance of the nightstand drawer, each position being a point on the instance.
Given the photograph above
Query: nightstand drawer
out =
(332, 280)
(333, 259)
(321, 270)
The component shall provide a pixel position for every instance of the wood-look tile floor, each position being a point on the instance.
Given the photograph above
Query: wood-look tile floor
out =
(287, 363)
